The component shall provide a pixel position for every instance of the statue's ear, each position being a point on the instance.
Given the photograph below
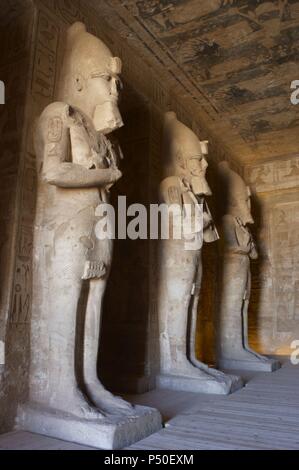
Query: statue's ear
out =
(79, 82)
(181, 160)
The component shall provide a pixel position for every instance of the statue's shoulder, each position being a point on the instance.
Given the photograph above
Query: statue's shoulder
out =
(55, 120)
(57, 109)
(60, 113)
(52, 125)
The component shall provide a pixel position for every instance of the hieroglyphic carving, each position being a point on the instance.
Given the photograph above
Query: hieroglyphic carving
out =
(22, 283)
(285, 244)
(16, 21)
(43, 90)
(22, 289)
(260, 176)
(288, 173)
(274, 175)
(21, 297)
(11, 127)
(43, 80)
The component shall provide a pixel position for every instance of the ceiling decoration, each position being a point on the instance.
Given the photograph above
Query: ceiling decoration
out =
(235, 59)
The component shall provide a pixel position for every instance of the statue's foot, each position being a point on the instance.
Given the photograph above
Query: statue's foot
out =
(254, 355)
(77, 405)
(186, 368)
(248, 355)
(218, 380)
(232, 381)
(106, 401)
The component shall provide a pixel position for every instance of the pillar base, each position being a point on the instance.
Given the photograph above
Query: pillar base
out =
(198, 385)
(268, 365)
(129, 384)
(110, 432)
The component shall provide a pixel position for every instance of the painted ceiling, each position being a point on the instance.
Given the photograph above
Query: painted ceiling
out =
(235, 59)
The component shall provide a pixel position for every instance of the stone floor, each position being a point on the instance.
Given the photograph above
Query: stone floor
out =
(263, 415)
(21, 440)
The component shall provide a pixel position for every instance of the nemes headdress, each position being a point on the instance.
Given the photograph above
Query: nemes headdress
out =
(85, 55)
(236, 193)
(235, 186)
(180, 142)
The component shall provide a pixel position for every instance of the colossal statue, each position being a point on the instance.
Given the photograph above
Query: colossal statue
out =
(180, 265)
(77, 164)
(238, 248)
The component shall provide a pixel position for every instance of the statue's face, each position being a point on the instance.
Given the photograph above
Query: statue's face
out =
(89, 79)
(101, 91)
(196, 170)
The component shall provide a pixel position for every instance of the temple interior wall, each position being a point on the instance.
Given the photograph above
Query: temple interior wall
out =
(274, 308)
(129, 350)
(17, 185)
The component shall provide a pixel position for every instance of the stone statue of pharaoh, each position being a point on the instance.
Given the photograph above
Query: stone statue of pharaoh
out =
(238, 248)
(76, 167)
(180, 264)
